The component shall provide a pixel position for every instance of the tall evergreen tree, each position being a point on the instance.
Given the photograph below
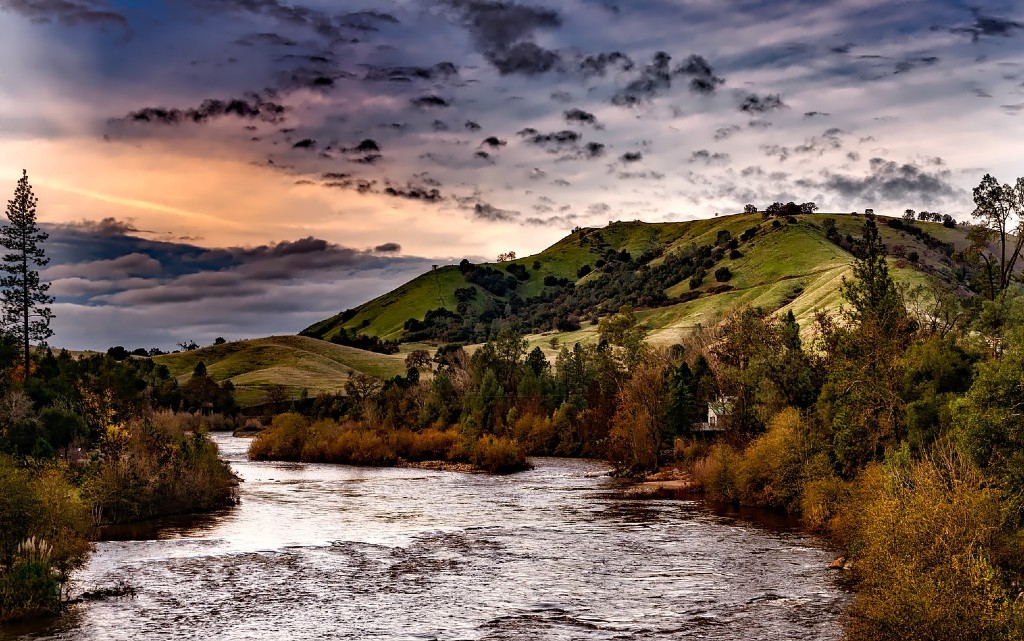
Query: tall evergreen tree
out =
(25, 299)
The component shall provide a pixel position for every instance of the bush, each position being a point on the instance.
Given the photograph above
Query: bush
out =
(157, 466)
(931, 545)
(44, 536)
(498, 455)
(722, 274)
(718, 473)
(771, 468)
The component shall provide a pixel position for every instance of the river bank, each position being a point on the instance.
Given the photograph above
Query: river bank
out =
(559, 551)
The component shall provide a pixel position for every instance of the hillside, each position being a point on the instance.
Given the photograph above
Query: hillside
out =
(796, 265)
(296, 362)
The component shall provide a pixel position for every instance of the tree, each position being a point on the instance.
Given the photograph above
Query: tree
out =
(909, 214)
(996, 204)
(873, 293)
(749, 209)
(507, 256)
(25, 299)
(219, 340)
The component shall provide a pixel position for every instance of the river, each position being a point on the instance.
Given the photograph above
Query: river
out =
(326, 551)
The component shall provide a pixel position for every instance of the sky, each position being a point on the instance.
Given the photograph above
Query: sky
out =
(239, 168)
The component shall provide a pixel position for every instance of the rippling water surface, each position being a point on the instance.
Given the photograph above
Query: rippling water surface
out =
(322, 551)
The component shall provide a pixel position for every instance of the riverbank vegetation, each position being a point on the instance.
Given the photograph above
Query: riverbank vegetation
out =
(87, 442)
(897, 430)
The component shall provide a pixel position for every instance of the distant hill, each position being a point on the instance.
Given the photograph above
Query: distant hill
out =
(779, 264)
(296, 362)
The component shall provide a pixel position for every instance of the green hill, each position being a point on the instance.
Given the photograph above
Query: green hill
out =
(779, 265)
(776, 264)
(296, 362)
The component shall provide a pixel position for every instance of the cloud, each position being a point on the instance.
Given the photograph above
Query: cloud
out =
(599, 64)
(578, 116)
(631, 156)
(429, 102)
(486, 211)
(251, 107)
(889, 181)
(67, 12)
(440, 71)
(388, 248)
(494, 142)
(503, 32)
(753, 103)
(724, 132)
(988, 26)
(555, 139)
(709, 158)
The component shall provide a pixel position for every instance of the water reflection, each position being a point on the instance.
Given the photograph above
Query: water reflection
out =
(558, 552)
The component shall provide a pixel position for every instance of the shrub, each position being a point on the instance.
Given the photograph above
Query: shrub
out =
(498, 455)
(718, 473)
(770, 471)
(931, 546)
(723, 274)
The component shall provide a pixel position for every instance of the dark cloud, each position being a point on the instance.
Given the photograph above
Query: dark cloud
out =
(504, 31)
(816, 114)
(889, 181)
(486, 211)
(724, 132)
(472, 126)
(599, 64)
(494, 142)
(1014, 109)
(561, 96)
(305, 143)
(702, 76)
(707, 157)
(753, 103)
(365, 20)
(265, 40)
(66, 12)
(986, 25)
(439, 125)
(411, 191)
(578, 116)
(367, 145)
(428, 102)
(320, 22)
(593, 149)
(440, 71)
(656, 78)
(910, 64)
(556, 139)
(251, 107)
(388, 248)
(631, 156)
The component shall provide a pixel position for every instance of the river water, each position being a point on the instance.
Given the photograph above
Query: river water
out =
(336, 552)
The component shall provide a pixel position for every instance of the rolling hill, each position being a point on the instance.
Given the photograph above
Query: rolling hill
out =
(781, 265)
(296, 362)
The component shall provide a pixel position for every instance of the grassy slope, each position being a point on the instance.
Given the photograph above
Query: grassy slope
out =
(793, 267)
(789, 268)
(296, 362)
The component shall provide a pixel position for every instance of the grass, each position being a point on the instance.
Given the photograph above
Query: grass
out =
(793, 267)
(296, 362)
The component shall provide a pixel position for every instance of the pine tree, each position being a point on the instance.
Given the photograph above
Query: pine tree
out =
(24, 298)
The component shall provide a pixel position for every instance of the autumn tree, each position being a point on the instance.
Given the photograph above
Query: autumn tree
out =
(25, 299)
